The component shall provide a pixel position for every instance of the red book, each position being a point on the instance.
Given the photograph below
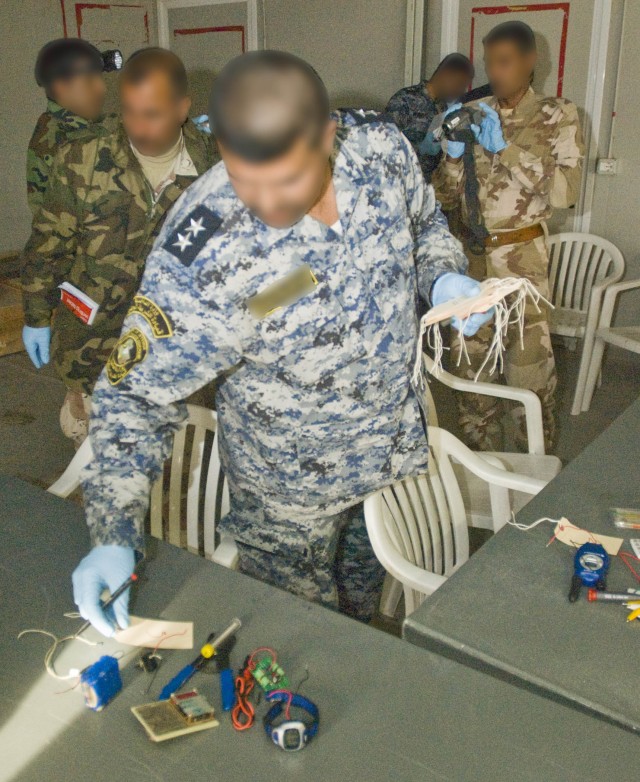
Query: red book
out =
(82, 306)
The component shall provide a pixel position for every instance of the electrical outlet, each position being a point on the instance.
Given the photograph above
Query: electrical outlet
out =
(607, 166)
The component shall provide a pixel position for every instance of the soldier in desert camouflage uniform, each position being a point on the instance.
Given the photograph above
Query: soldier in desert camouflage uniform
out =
(528, 162)
(70, 71)
(292, 270)
(99, 217)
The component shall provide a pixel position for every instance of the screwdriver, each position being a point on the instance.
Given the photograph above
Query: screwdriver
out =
(206, 653)
(122, 588)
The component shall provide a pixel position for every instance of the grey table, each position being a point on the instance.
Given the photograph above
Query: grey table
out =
(506, 611)
(389, 710)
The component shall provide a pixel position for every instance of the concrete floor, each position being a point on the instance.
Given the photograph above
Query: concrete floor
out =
(32, 446)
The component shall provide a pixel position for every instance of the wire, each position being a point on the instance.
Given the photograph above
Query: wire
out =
(527, 527)
(243, 714)
(304, 678)
(251, 664)
(51, 651)
(625, 556)
(166, 638)
(289, 694)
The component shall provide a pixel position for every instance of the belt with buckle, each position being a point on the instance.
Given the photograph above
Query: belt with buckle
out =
(513, 237)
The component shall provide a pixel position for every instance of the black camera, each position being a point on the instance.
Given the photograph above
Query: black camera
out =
(112, 60)
(457, 125)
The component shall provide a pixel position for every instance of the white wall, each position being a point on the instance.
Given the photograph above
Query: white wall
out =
(28, 25)
(616, 206)
(357, 46)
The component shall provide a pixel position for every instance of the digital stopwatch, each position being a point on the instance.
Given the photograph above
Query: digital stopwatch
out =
(590, 566)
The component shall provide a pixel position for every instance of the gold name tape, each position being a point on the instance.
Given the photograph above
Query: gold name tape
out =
(159, 323)
(130, 350)
(283, 293)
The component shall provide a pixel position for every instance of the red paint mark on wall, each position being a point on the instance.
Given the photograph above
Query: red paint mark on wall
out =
(505, 9)
(237, 28)
(80, 7)
(65, 32)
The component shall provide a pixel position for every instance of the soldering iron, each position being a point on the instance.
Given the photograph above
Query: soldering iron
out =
(209, 649)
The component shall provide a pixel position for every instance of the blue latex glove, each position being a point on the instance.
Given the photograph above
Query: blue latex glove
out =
(202, 123)
(105, 567)
(489, 133)
(429, 146)
(37, 341)
(455, 149)
(453, 286)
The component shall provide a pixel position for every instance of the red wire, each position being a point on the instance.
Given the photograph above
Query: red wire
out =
(287, 711)
(624, 556)
(166, 638)
(251, 664)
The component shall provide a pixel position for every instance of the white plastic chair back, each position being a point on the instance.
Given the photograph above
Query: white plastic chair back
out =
(432, 413)
(418, 528)
(577, 262)
(205, 503)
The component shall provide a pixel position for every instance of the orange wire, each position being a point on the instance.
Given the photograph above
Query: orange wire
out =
(243, 713)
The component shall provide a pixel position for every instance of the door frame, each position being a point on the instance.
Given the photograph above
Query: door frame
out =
(164, 6)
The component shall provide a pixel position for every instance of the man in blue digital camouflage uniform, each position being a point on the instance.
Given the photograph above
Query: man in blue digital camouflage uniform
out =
(291, 270)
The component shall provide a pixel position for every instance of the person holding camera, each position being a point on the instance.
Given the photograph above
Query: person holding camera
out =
(413, 108)
(528, 159)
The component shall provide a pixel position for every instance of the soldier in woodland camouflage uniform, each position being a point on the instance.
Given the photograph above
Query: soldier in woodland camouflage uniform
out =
(291, 270)
(528, 161)
(99, 217)
(70, 71)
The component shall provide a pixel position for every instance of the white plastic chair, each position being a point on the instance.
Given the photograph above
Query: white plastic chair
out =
(535, 463)
(485, 511)
(581, 268)
(209, 502)
(418, 526)
(625, 337)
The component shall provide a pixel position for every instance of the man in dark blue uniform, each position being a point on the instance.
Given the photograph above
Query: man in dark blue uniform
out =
(413, 108)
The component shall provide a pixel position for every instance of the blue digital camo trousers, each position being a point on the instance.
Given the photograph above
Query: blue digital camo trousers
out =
(335, 564)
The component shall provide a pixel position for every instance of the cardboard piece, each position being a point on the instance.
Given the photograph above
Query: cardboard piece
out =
(572, 536)
(160, 633)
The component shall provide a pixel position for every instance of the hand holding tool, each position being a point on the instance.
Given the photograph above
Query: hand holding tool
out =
(104, 567)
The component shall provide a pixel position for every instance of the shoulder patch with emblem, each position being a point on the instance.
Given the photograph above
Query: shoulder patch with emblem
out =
(159, 322)
(131, 349)
(189, 237)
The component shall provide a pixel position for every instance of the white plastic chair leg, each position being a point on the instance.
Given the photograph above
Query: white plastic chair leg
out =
(595, 366)
(391, 594)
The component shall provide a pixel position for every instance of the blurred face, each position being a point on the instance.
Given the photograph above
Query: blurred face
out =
(281, 191)
(451, 85)
(152, 113)
(82, 94)
(508, 68)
